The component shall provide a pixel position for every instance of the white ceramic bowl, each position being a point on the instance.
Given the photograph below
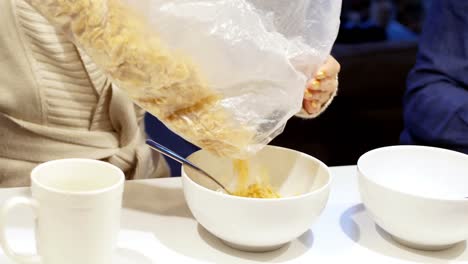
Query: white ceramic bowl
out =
(416, 194)
(255, 224)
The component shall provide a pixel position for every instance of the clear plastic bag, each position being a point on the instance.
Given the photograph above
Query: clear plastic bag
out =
(224, 74)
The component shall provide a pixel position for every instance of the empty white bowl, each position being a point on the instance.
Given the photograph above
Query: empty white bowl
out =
(255, 224)
(417, 194)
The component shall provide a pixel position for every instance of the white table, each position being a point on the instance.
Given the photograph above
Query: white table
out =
(157, 227)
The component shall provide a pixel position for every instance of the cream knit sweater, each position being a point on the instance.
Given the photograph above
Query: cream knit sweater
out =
(55, 103)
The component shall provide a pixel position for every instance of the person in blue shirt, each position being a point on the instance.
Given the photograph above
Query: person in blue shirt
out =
(436, 100)
(382, 14)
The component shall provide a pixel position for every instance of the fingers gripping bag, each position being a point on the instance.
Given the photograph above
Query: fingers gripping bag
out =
(224, 74)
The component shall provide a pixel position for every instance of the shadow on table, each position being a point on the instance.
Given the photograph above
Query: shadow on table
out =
(155, 199)
(283, 254)
(359, 227)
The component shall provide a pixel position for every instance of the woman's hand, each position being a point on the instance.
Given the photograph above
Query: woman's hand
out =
(322, 87)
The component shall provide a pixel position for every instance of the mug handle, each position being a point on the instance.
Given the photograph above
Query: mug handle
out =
(4, 211)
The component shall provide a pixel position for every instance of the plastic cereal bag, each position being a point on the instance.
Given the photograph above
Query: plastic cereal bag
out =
(224, 74)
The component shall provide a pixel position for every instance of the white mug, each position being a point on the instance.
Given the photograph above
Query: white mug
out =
(77, 205)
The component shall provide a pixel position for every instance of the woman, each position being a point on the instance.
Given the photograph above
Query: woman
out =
(57, 104)
(436, 99)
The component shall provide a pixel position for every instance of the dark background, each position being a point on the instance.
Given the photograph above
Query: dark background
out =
(376, 47)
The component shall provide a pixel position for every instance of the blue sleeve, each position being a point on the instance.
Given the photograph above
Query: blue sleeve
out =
(436, 100)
